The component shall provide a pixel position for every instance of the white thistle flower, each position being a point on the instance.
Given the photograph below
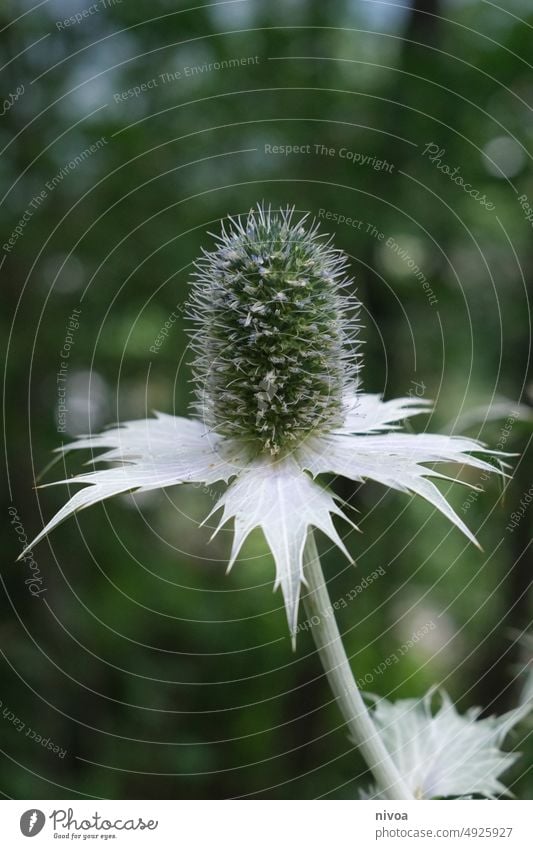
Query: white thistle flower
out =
(443, 753)
(277, 402)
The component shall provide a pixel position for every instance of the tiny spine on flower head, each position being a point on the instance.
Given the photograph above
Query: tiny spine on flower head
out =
(275, 333)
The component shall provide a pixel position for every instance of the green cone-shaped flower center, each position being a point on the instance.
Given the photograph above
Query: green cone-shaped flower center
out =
(272, 360)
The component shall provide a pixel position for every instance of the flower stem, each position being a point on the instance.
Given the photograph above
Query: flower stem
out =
(335, 662)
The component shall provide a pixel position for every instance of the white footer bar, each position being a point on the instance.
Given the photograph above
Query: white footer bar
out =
(267, 824)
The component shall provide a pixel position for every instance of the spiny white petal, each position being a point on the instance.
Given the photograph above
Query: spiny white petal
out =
(396, 461)
(424, 487)
(84, 498)
(158, 437)
(155, 453)
(283, 501)
(368, 413)
(445, 753)
(422, 447)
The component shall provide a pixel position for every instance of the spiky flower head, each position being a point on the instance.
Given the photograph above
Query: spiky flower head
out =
(275, 331)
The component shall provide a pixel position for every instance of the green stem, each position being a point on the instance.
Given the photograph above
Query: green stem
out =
(335, 662)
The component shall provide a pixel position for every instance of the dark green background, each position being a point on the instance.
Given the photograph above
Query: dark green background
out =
(161, 676)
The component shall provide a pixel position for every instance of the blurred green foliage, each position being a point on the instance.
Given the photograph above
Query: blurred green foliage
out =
(161, 676)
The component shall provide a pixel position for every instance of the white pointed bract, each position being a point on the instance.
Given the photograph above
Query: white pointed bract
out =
(277, 497)
(278, 402)
(441, 753)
